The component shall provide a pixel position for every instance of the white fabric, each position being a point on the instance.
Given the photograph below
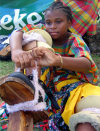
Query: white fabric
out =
(27, 106)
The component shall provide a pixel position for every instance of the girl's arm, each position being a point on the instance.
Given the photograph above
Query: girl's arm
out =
(48, 58)
(20, 57)
(16, 40)
(80, 64)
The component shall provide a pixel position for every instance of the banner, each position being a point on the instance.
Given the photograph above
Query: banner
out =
(18, 13)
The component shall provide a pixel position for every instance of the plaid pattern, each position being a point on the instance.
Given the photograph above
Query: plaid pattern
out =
(76, 47)
(85, 13)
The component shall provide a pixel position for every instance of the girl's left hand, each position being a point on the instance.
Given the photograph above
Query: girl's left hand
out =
(45, 57)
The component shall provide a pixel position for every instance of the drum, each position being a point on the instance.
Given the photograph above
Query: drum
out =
(16, 88)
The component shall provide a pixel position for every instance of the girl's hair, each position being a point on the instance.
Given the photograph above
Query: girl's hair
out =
(59, 5)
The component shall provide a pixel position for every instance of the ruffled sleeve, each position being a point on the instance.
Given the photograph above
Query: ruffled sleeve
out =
(78, 48)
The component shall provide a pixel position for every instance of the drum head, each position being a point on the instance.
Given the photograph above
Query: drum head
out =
(16, 88)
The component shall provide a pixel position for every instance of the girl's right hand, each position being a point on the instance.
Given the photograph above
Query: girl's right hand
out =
(22, 59)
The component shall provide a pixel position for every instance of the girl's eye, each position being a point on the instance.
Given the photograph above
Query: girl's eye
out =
(48, 23)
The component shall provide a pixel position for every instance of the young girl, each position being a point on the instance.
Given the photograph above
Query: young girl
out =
(70, 73)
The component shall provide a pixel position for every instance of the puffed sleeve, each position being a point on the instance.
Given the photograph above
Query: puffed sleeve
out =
(78, 48)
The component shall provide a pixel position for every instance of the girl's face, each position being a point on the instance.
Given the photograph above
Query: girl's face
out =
(56, 23)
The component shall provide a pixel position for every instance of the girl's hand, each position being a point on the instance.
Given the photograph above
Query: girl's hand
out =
(22, 58)
(46, 57)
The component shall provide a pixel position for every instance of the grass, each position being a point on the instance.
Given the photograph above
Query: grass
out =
(96, 58)
(6, 67)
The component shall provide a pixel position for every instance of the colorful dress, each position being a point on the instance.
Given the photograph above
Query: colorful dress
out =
(67, 86)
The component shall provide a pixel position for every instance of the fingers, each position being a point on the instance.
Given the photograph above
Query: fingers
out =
(38, 52)
(44, 56)
(26, 60)
(23, 59)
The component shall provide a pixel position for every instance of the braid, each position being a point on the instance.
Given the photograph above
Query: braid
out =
(59, 5)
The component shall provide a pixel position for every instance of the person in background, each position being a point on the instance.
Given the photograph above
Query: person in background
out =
(69, 72)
